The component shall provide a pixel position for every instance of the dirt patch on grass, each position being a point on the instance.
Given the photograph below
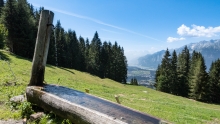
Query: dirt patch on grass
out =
(121, 95)
(133, 94)
(11, 121)
(1, 103)
(192, 100)
(214, 121)
(145, 91)
(143, 99)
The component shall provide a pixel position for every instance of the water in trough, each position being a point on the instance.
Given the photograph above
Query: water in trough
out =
(100, 105)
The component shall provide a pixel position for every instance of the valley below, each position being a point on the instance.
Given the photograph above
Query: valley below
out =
(144, 77)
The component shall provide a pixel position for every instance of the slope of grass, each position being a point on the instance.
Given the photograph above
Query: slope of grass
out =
(168, 107)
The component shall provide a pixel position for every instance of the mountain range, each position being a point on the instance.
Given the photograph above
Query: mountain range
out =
(209, 49)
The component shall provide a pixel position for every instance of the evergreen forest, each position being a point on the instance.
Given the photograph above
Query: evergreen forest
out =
(185, 75)
(18, 31)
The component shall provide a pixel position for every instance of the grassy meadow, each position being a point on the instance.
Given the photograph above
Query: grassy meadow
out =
(15, 75)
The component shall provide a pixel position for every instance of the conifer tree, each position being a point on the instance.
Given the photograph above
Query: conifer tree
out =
(73, 54)
(198, 78)
(114, 62)
(183, 65)
(1, 6)
(3, 35)
(134, 81)
(109, 62)
(164, 78)
(16, 17)
(214, 82)
(174, 77)
(87, 47)
(51, 58)
(82, 49)
(25, 38)
(104, 58)
(157, 74)
(60, 43)
(192, 74)
(123, 67)
(94, 55)
(8, 18)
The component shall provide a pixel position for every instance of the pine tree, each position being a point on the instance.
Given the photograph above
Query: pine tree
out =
(198, 78)
(164, 79)
(82, 49)
(94, 55)
(25, 38)
(174, 77)
(51, 58)
(73, 54)
(87, 47)
(121, 74)
(9, 19)
(1, 6)
(104, 58)
(3, 35)
(64, 55)
(157, 74)
(203, 80)
(134, 81)
(214, 82)
(183, 65)
(192, 74)
(61, 44)
(108, 64)
(123, 67)
(115, 60)
(17, 19)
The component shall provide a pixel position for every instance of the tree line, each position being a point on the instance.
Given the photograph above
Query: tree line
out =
(18, 32)
(185, 75)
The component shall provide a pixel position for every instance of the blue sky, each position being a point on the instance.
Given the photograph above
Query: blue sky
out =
(140, 26)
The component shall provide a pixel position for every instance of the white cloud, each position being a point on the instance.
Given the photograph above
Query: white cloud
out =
(198, 31)
(172, 39)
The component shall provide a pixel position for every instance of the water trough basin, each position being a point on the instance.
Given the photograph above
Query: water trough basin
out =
(82, 108)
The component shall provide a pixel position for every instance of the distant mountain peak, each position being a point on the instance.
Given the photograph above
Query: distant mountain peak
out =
(209, 49)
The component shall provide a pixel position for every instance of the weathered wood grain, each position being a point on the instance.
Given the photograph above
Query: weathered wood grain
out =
(41, 48)
(82, 108)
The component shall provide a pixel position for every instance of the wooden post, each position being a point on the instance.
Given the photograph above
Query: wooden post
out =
(41, 48)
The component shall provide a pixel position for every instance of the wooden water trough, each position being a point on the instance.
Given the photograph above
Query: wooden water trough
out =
(78, 107)
(82, 108)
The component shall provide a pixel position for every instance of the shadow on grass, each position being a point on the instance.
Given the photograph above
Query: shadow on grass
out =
(20, 57)
(66, 70)
(4, 56)
(51, 66)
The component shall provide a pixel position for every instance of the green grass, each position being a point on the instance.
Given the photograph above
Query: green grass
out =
(168, 107)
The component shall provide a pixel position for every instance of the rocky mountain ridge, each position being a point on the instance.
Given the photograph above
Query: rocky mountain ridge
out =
(209, 49)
